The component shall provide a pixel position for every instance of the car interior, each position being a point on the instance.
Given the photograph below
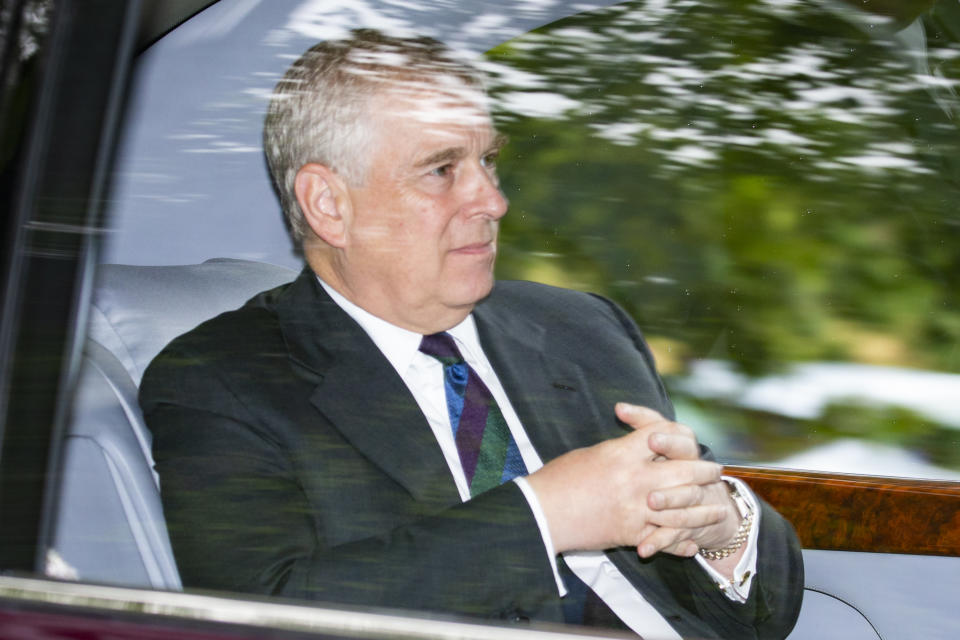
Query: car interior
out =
(109, 524)
(109, 527)
(109, 520)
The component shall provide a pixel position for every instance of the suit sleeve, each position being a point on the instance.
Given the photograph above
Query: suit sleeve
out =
(776, 594)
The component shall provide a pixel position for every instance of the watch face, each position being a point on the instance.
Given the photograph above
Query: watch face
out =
(744, 508)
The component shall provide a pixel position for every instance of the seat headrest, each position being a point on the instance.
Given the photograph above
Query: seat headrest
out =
(137, 310)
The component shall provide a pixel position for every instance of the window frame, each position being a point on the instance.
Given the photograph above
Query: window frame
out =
(57, 210)
(859, 513)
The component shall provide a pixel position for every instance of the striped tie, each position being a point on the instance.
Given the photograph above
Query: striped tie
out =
(490, 457)
(488, 453)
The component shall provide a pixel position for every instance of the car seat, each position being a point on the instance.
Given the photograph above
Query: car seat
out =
(109, 524)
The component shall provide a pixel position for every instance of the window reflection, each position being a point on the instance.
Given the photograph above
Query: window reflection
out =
(770, 188)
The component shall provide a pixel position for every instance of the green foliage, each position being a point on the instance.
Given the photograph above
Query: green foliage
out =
(741, 175)
(762, 182)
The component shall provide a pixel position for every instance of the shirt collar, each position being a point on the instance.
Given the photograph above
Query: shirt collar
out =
(400, 346)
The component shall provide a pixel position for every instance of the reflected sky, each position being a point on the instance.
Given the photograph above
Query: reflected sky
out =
(806, 389)
(663, 126)
(191, 183)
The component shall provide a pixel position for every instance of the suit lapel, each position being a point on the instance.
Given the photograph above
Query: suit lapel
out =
(549, 394)
(555, 405)
(360, 393)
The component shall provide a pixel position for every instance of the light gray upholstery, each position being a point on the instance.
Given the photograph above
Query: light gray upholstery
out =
(853, 595)
(109, 524)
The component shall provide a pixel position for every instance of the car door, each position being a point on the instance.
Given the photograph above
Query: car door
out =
(666, 155)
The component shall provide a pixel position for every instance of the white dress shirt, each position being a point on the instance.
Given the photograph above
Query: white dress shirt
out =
(423, 376)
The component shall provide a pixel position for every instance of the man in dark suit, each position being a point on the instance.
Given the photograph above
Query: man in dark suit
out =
(319, 442)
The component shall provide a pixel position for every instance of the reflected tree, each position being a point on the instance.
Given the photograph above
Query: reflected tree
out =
(763, 182)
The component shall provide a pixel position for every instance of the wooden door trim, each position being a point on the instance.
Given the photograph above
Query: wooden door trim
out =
(862, 513)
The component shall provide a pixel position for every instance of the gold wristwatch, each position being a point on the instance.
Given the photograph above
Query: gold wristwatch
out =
(743, 531)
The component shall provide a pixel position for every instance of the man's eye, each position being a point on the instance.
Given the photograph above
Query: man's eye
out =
(441, 171)
(490, 160)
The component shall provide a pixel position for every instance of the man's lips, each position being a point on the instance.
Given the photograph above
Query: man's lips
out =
(476, 248)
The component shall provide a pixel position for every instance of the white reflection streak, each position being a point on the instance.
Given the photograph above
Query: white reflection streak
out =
(231, 15)
(537, 104)
(165, 198)
(880, 162)
(865, 457)
(261, 93)
(192, 136)
(621, 133)
(644, 37)
(825, 95)
(787, 138)
(413, 5)
(535, 5)
(808, 388)
(743, 141)
(935, 81)
(485, 24)
(512, 77)
(225, 147)
(656, 9)
(577, 35)
(460, 106)
(782, 8)
(902, 148)
(330, 19)
(842, 115)
(149, 178)
(691, 154)
(687, 133)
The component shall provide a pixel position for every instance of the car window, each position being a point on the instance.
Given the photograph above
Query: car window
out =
(770, 189)
(767, 188)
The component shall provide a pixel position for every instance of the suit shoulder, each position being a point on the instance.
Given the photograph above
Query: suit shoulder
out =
(231, 333)
(534, 299)
(232, 341)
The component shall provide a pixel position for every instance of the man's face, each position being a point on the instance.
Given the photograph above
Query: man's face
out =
(422, 235)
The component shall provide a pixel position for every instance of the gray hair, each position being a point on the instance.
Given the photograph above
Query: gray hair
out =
(321, 112)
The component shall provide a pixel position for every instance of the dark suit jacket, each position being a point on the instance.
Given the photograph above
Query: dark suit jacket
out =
(294, 461)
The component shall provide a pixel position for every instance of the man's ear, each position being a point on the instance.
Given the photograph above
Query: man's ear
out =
(325, 203)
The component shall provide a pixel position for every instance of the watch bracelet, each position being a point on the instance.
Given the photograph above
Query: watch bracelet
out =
(743, 532)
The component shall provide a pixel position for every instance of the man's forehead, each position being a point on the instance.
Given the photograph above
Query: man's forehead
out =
(432, 105)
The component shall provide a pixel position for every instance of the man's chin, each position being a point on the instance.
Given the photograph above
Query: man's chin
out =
(468, 296)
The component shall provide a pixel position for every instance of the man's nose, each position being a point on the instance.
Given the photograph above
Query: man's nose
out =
(486, 198)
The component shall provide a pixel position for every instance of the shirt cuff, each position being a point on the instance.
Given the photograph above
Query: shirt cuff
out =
(746, 570)
(541, 520)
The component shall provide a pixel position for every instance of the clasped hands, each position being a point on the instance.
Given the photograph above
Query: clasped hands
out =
(648, 489)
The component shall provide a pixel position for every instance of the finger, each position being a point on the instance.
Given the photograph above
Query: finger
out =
(662, 539)
(675, 473)
(702, 471)
(682, 548)
(685, 548)
(646, 531)
(675, 446)
(637, 416)
(667, 540)
(686, 495)
(689, 518)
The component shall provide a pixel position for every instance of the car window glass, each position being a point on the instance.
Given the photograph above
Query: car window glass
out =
(769, 188)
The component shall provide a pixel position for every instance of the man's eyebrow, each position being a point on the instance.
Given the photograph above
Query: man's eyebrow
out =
(443, 156)
(452, 154)
(499, 142)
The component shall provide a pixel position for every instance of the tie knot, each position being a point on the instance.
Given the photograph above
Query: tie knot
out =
(442, 347)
